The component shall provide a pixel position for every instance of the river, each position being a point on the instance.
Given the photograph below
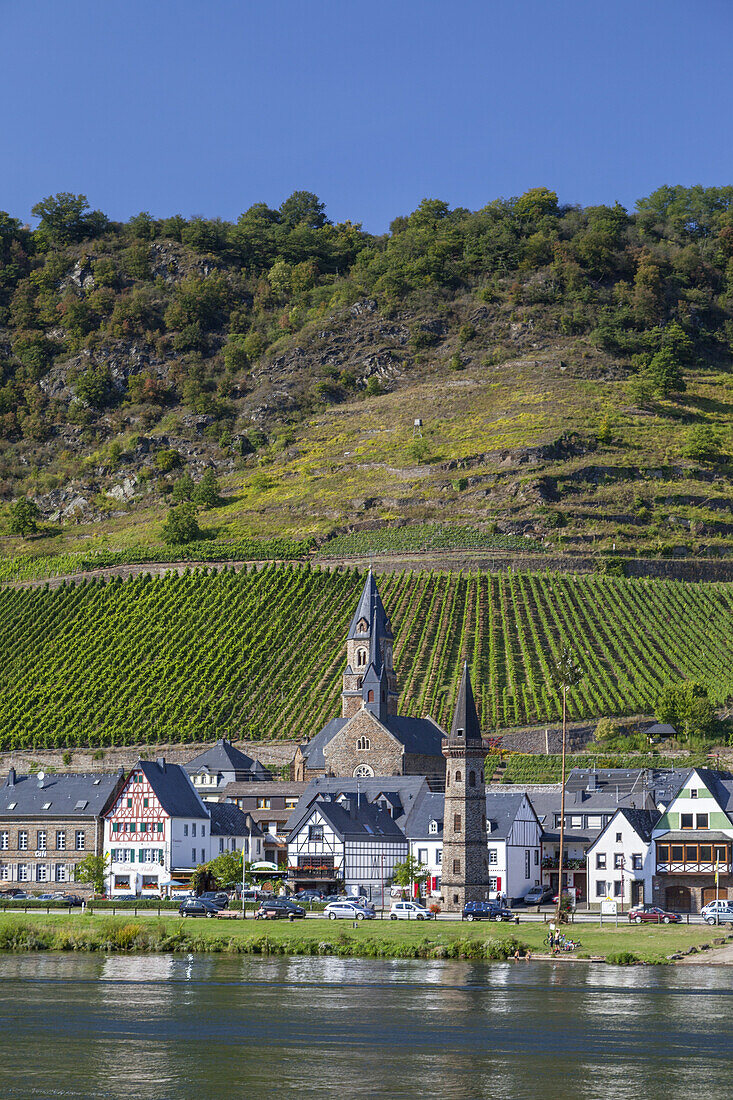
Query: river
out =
(218, 1027)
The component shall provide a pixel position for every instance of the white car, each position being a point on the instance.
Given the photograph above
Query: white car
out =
(718, 912)
(409, 910)
(353, 910)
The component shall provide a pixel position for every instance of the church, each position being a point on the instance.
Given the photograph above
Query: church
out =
(369, 737)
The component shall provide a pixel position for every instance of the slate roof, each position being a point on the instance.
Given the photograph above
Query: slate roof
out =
(370, 603)
(223, 756)
(719, 784)
(403, 791)
(642, 821)
(429, 806)
(501, 811)
(173, 789)
(420, 736)
(681, 836)
(465, 728)
(362, 821)
(228, 820)
(82, 794)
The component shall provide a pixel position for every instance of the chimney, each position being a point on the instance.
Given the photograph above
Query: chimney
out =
(346, 804)
(592, 782)
(161, 762)
(11, 777)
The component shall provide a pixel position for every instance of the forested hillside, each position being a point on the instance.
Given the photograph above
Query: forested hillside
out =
(259, 655)
(572, 367)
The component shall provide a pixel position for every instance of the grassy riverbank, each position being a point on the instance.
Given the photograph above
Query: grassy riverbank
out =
(377, 939)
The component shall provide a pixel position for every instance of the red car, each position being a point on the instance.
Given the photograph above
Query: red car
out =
(654, 914)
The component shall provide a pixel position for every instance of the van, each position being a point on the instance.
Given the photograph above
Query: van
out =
(718, 912)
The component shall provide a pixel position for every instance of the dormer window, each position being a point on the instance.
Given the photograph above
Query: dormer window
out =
(362, 626)
(433, 826)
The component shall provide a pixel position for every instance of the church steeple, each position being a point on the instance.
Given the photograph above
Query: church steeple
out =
(369, 657)
(465, 729)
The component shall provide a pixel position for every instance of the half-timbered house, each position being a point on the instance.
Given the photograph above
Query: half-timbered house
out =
(347, 842)
(694, 840)
(158, 829)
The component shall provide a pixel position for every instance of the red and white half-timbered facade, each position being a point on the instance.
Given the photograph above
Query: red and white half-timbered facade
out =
(157, 830)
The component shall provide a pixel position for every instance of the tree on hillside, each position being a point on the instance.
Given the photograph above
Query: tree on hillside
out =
(687, 707)
(24, 514)
(665, 373)
(207, 491)
(183, 489)
(64, 218)
(92, 870)
(181, 525)
(304, 208)
(703, 444)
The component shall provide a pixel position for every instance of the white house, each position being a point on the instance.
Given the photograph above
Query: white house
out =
(424, 831)
(347, 841)
(621, 860)
(221, 764)
(514, 837)
(158, 830)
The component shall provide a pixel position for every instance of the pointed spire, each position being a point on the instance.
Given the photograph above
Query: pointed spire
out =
(465, 729)
(368, 602)
(375, 657)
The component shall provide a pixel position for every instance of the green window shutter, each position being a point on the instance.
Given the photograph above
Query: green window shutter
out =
(132, 855)
(141, 855)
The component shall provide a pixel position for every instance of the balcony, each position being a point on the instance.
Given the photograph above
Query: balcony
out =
(691, 868)
(326, 872)
(552, 863)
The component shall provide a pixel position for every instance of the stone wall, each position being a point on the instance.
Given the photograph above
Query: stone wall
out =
(384, 755)
(273, 754)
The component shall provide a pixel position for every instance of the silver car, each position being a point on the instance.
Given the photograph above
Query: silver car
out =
(354, 910)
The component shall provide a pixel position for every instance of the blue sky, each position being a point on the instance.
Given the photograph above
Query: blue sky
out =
(206, 106)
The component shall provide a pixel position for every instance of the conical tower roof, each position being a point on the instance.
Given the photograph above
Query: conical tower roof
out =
(465, 729)
(370, 609)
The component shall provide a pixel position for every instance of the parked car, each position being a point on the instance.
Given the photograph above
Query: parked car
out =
(217, 897)
(349, 909)
(16, 895)
(486, 910)
(68, 899)
(718, 912)
(409, 910)
(45, 897)
(279, 909)
(308, 895)
(336, 897)
(198, 907)
(654, 914)
(538, 895)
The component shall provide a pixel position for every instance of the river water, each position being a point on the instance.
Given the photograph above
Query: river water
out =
(219, 1027)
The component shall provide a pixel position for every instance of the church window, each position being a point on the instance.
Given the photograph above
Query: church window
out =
(456, 866)
(472, 779)
(458, 777)
(359, 681)
(447, 778)
(383, 696)
(460, 733)
(362, 626)
(363, 771)
(361, 657)
(457, 822)
(362, 744)
(370, 696)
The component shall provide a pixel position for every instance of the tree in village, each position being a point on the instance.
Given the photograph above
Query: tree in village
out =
(203, 879)
(23, 517)
(227, 870)
(566, 672)
(92, 870)
(409, 873)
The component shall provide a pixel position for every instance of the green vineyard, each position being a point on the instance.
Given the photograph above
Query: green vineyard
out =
(259, 653)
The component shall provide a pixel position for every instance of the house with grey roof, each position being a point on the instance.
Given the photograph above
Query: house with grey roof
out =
(158, 830)
(49, 823)
(345, 843)
(369, 737)
(693, 841)
(592, 797)
(620, 861)
(221, 764)
(270, 804)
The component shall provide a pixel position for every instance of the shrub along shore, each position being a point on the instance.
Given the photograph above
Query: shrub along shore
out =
(378, 939)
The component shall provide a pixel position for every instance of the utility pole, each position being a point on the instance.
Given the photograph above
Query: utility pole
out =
(567, 673)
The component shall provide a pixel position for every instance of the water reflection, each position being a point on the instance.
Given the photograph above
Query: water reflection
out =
(173, 1027)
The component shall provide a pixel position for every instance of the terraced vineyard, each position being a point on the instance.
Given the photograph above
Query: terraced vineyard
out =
(259, 654)
(418, 537)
